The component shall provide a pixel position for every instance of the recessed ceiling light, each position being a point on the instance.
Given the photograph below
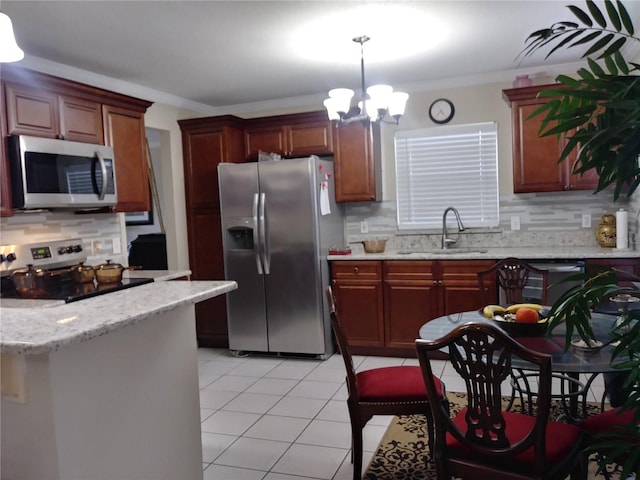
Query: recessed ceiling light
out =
(395, 31)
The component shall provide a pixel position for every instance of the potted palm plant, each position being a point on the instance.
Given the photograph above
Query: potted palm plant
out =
(598, 110)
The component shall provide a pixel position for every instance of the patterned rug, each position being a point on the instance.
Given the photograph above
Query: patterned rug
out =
(403, 453)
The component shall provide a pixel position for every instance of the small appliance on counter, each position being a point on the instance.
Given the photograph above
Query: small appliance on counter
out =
(56, 270)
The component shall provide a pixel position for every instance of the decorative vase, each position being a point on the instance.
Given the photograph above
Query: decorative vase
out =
(522, 81)
(606, 231)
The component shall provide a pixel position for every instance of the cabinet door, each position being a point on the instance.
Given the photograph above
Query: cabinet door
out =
(586, 181)
(5, 179)
(268, 139)
(631, 265)
(80, 120)
(124, 131)
(309, 139)
(411, 298)
(460, 288)
(357, 288)
(535, 158)
(31, 112)
(202, 154)
(354, 163)
(206, 263)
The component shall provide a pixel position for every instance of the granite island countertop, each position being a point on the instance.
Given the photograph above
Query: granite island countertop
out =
(483, 253)
(41, 330)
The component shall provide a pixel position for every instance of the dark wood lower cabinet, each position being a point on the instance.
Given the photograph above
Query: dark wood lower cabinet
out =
(357, 288)
(384, 304)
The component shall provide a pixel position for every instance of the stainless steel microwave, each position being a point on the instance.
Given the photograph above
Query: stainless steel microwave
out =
(48, 173)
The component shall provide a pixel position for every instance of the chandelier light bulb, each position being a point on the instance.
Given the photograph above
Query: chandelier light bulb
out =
(342, 98)
(397, 103)
(9, 50)
(375, 102)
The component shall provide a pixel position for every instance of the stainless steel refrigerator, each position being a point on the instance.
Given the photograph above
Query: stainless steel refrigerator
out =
(279, 219)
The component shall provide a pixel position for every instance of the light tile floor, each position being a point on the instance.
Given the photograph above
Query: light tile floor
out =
(274, 418)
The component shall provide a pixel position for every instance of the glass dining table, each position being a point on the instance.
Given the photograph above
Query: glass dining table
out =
(567, 363)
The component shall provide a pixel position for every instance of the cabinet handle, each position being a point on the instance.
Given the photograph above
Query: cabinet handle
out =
(355, 269)
(333, 282)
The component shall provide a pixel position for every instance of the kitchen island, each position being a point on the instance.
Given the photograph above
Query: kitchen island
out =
(104, 388)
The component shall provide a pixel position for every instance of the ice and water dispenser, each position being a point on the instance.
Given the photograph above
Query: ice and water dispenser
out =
(240, 238)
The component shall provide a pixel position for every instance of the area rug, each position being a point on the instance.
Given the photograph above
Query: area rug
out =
(403, 453)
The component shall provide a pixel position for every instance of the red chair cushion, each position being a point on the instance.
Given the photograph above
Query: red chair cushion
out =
(393, 384)
(606, 421)
(561, 438)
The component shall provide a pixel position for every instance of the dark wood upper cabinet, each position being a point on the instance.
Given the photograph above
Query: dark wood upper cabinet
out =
(535, 158)
(295, 135)
(5, 183)
(42, 105)
(356, 166)
(81, 120)
(124, 131)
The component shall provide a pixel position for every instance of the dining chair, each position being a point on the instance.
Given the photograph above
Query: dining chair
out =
(393, 390)
(611, 421)
(484, 440)
(512, 275)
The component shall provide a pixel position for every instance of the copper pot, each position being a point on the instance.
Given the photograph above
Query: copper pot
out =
(32, 281)
(110, 272)
(82, 273)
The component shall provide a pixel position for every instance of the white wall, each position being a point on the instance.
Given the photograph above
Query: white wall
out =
(165, 119)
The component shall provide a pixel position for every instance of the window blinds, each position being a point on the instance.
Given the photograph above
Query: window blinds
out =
(452, 166)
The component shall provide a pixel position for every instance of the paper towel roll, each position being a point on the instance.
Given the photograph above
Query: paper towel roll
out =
(622, 229)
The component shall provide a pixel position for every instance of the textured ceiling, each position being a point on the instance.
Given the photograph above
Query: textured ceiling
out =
(226, 53)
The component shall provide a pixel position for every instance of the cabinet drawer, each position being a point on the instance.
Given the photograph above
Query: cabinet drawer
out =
(408, 270)
(464, 272)
(365, 270)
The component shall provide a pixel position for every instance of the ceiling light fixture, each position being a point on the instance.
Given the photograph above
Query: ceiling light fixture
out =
(376, 103)
(9, 49)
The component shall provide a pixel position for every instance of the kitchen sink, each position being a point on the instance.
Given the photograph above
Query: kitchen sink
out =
(440, 251)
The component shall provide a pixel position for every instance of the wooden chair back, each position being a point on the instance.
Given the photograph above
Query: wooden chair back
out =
(512, 275)
(343, 345)
(481, 354)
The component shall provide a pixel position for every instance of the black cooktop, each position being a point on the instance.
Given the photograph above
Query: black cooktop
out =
(69, 291)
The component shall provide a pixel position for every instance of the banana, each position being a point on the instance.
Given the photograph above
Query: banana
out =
(516, 306)
(490, 310)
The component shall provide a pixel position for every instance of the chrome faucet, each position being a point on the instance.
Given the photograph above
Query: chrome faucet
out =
(450, 241)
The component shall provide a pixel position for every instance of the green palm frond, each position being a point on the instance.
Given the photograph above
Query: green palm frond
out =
(598, 112)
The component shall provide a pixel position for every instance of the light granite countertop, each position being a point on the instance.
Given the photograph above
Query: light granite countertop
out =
(481, 253)
(41, 330)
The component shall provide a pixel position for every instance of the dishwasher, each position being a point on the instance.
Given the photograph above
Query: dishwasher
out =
(558, 270)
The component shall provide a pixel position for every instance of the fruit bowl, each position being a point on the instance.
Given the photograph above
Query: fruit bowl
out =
(507, 322)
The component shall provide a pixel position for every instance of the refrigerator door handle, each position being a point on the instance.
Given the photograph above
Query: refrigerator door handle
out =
(263, 233)
(256, 241)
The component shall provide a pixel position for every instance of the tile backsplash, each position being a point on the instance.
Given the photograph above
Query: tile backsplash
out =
(546, 220)
(100, 232)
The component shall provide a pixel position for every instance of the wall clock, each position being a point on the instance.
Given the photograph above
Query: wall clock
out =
(441, 111)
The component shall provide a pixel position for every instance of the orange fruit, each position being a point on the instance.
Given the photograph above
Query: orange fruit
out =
(527, 315)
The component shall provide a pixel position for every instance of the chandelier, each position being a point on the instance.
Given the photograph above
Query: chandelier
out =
(377, 102)
(9, 50)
